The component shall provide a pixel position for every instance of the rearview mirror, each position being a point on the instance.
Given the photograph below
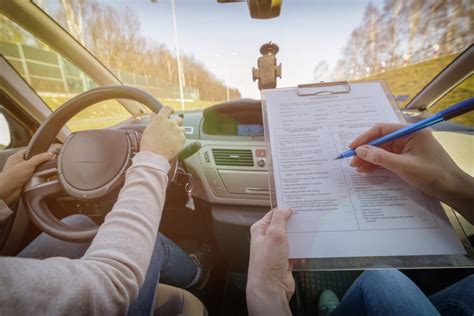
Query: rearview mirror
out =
(264, 9)
(260, 9)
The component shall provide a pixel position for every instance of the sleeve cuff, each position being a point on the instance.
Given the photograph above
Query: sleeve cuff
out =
(5, 211)
(151, 160)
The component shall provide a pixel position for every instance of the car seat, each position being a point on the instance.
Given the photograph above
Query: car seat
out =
(173, 301)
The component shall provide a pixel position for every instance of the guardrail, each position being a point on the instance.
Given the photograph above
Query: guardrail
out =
(49, 73)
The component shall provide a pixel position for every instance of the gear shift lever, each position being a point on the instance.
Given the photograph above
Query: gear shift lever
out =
(189, 150)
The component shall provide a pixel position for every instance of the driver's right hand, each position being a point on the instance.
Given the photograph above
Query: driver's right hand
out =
(164, 136)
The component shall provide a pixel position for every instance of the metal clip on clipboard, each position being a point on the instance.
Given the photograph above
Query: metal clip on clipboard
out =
(324, 87)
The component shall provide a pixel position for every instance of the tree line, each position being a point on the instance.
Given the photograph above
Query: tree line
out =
(402, 33)
(114, 37)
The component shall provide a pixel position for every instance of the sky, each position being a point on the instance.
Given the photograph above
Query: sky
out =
(227, 41)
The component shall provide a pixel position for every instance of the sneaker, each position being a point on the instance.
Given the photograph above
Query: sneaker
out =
(203, 259)
(328, 301)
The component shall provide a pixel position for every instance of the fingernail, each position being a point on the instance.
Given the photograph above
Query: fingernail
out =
(362, 151)
(352, 162)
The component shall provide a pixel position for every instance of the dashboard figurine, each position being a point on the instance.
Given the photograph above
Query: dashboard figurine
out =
(267, 70)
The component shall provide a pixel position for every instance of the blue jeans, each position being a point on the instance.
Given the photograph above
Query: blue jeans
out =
(390, 292)
(169, 263)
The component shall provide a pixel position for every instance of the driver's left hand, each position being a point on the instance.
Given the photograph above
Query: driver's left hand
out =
(16, 172)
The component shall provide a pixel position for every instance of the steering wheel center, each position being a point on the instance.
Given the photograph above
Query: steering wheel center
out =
(93, 163)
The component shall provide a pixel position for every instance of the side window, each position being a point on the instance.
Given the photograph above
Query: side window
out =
(54, 78)
(462, 91)
(14, 132)
(5, 137)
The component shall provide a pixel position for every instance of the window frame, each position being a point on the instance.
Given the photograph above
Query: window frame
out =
(20, 124)
(444, 82)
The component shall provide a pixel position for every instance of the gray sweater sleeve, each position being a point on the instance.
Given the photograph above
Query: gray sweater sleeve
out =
(107, 278)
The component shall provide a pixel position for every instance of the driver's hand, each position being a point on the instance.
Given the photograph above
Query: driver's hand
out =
(164, 136)
(421, 161)
(17, 172)
(270, 282)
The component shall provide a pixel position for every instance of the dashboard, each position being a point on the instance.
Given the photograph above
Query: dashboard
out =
(235, 118)
(250, 130)
(231, 166)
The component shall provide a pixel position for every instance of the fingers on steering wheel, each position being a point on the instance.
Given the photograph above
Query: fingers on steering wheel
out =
(39, 159)
(19, 156)
(178, 121)
(14, 159)
(165, 112)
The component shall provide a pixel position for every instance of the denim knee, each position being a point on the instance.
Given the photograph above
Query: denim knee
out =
(381, 277)
(456, 299)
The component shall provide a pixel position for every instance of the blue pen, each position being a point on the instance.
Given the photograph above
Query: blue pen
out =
(449, 113)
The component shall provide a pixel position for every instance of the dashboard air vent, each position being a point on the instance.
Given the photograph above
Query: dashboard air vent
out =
(233, 157)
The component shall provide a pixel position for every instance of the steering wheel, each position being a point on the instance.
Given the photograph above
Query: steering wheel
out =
(91, 164)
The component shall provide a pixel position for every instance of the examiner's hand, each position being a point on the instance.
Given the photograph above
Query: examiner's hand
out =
(270, 283)
(16, 172)
(421, 161)
(164, 136)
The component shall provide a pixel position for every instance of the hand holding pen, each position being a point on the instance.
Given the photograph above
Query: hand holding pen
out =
(420, 160)
(447, 114)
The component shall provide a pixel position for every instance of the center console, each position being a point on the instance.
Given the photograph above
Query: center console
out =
(232, 161)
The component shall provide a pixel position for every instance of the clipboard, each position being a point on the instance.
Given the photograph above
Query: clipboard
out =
(345, 87)
(314, 90)
(324, 87)
(328, 89)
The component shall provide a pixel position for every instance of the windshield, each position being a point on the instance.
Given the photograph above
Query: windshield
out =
(54, 78)
(194, 53)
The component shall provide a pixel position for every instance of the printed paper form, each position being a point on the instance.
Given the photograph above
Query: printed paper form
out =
(339, 212)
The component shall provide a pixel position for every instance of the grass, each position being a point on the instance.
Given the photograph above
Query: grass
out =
(409, 80)
(108, 113)
(196, 105)
(464, 91)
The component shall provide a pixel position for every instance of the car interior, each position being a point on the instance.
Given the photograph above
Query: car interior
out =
(219, 182)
